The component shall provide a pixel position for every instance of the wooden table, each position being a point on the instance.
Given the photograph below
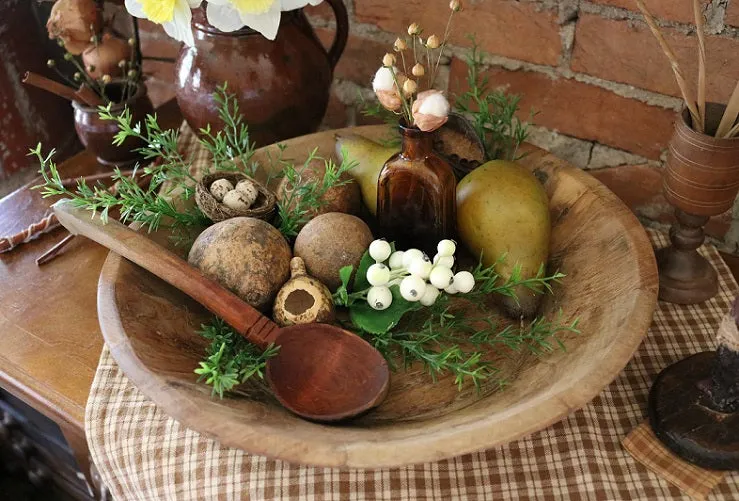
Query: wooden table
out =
(50, 339)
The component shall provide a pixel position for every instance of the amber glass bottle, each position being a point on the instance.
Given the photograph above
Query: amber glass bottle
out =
(416, 195)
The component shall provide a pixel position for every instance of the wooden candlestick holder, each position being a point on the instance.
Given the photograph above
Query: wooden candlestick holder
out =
(701, 180)
(694, 404)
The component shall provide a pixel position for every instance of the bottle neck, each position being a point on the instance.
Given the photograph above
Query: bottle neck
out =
(416, 144)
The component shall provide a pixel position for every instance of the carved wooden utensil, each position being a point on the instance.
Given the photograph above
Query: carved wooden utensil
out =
(321, 373)
(694, 403)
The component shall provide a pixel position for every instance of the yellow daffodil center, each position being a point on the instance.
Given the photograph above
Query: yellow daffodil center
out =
(158, 11)
(252, 6)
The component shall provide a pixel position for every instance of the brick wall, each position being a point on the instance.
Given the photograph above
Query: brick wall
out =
(604, 92)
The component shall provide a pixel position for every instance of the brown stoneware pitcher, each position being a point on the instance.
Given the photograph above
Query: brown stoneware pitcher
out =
(701, 180)
(282, 86)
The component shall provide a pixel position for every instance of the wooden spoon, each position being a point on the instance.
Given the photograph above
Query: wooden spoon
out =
(321, 373)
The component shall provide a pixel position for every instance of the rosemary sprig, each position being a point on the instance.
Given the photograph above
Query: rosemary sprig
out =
(300, 197)
(135, 203)
(493, 112)
(230, 359)
(230, 147)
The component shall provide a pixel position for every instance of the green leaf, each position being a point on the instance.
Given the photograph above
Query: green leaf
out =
(345, 274)
(376, 322)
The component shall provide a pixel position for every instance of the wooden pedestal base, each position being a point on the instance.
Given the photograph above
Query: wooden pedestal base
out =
(682, 415)
(686, 277)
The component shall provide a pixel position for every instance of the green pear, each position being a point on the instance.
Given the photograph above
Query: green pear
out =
(502, 209)
(370, 157)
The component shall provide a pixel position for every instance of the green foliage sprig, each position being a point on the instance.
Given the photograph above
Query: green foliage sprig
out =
(230, 359)
(231, 147)
(152, 206)
(492, 112)
(300, 197)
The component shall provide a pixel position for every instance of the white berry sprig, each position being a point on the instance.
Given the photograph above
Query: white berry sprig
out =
(420, 279)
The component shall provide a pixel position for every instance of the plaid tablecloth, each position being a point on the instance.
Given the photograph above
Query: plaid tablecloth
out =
(142, 454)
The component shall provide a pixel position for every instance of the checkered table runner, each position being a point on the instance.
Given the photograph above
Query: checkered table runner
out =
(142, 454)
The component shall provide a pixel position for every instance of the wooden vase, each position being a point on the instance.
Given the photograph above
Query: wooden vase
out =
(97, 134)
(701, 180)
(281, 86)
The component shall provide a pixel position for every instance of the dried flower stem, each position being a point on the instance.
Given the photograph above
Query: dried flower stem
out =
(700, 27)
(447, 32)
(732, 110)
(687, 97)
(733, 132)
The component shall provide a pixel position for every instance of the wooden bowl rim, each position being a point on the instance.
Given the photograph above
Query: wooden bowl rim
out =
(408, 442)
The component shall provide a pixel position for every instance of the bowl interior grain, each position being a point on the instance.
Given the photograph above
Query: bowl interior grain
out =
(611, 285)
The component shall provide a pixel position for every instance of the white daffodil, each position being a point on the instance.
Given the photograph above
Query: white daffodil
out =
(260, 15)
(173, 15)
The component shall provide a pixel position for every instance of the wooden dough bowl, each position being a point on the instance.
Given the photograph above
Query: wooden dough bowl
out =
(611, 285)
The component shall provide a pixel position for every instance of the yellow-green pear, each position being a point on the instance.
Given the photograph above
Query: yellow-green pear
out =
(370, 157)
(502, 209)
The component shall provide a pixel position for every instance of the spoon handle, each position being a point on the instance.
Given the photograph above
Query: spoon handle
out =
(174, 270)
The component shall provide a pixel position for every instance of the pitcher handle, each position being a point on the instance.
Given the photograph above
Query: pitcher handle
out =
(342, 31)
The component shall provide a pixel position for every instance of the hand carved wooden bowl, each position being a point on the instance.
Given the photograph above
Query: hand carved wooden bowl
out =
(611, 286)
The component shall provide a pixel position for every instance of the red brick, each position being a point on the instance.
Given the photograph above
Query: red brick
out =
(627, 52)
(336, 114)
(680, 10)
(361, 57)
(513, 29)
(732, 13)
(582, 110)
(640, 188)
(321, 11)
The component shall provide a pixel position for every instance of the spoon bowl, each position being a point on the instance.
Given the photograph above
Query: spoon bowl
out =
(324, 373)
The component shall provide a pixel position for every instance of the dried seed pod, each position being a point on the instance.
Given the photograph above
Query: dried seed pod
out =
(303, 299)
(106, 56)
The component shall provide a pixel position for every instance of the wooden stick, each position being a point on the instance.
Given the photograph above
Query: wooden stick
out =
(733, 132)
(700, 28)
(72, 182)
(687, 97)
(49, 85)
(54, 251)
(88, 96)
(46, 225)
(730, 114)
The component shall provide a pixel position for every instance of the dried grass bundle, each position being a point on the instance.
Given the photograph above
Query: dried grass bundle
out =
(697, 108)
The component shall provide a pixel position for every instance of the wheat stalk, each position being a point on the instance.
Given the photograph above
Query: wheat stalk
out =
(689, 101)
(733, 132)
(730, 114)
(700, 28)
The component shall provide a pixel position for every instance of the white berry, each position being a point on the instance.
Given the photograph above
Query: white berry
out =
(451, 290)
(429, 297)
(421, 268)
(446, 248)
(396, 260)
(219, 188)
(410, 256)
(249, 190)
(379, 250)
(445, 261)
(412, 288)
(380, 298)
(378, 274)
(464, 281)
(441, 277)
(236, 200)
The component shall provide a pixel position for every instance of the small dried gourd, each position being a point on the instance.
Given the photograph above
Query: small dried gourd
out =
(303, 299)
